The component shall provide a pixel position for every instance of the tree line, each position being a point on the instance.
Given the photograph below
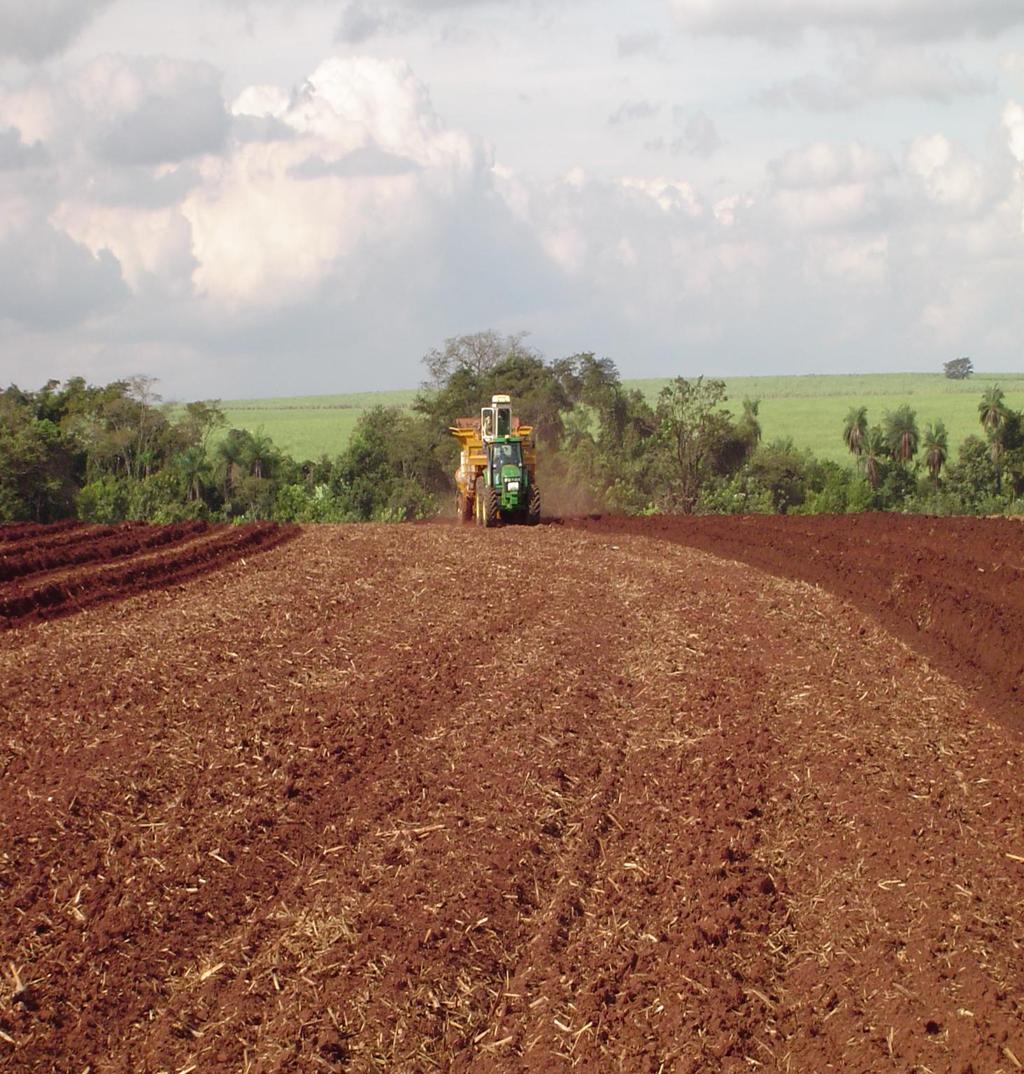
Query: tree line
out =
(114, 452)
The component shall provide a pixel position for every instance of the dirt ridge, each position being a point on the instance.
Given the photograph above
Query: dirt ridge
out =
(952, 589)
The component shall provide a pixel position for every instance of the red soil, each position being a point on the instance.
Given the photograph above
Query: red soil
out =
(115, 543)
(429, 799)
(952, 589)
(17, 531)
(118, 562)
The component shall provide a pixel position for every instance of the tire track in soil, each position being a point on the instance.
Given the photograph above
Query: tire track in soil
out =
(455, 943)
(411, 799)
(624, 975)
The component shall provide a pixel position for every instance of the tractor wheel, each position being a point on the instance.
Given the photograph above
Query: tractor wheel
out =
(463, 508)
(490, 511)
(478, 501)
(533, 508)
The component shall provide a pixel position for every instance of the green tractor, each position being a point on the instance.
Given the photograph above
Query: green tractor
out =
(496, 479)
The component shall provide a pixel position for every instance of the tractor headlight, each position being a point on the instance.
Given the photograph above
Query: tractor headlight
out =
(513, 486)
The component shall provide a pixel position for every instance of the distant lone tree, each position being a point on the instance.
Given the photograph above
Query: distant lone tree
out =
(958, 368)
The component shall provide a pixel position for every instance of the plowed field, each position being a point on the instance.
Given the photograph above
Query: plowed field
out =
(574, 797)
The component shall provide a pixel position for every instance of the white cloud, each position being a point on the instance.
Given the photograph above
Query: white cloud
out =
(362, 20)
(948, 177)
(828, 164)
(262, 102)
(341, 219)
(153, 246)
(1013, 122)
(670, 195)
(273, 222)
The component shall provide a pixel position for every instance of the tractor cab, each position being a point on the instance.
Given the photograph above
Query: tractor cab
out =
(506, 462)
(496, 419)
(506, 473)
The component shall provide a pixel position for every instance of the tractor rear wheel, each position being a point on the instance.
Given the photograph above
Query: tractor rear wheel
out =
(533, 507)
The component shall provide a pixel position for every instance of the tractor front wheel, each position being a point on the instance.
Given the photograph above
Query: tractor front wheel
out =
(486, 504)
(533, 507)
(490, 511)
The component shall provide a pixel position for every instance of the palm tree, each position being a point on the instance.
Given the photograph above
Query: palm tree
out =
(901, 434)
(855, 429)
(749, 422)
(231, 452)
(261, 454)
(874, 452)
(936, 448)
(992, 409)
(194, 468)
(992, 414)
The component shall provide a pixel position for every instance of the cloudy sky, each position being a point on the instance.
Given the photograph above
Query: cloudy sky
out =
(266, 197)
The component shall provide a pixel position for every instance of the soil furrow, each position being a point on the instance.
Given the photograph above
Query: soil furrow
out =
(965, 614)
(108, 544)
(416, 799)
(73, 589)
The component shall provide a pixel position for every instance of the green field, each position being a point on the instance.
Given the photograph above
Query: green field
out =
(808, 409)
(307, 427)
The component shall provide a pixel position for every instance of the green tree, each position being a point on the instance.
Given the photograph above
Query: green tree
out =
(232, 455)
(39, 465)
(874, 456)
(379, 476)
(958, 368)
(693, 426)
(855, 429)
(199, 421)
(935, 443)
(474, 354)
(260, 455)
(783, 472)
(993, 414)
(901, 435)
(750, 423)
(972, 481)
(195, 470)
(992, 409)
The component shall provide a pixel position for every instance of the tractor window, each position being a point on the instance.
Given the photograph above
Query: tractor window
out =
(506, 455)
